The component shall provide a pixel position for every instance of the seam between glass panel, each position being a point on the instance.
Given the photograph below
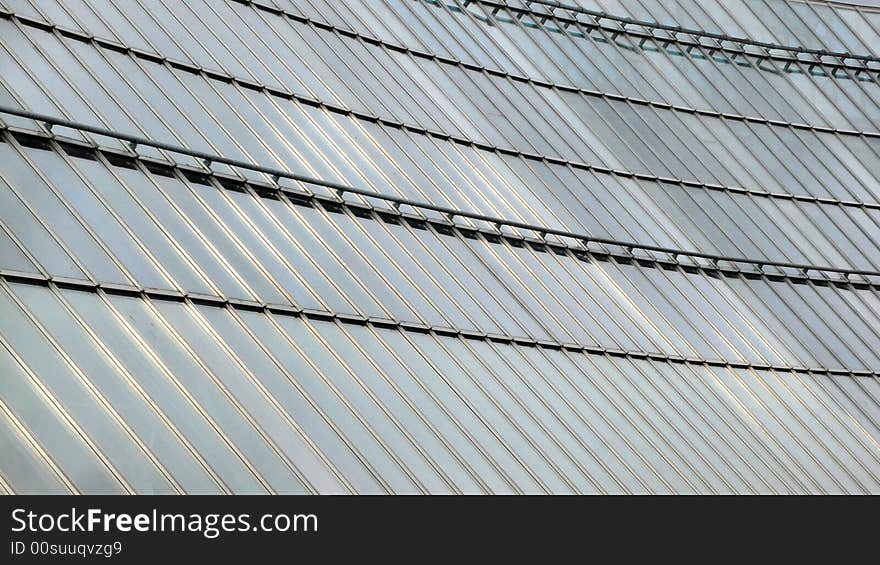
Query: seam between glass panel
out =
(563, 397)
(279, 407)
(707, 420)
(647, 464)
(765, 436)
(498, 468)
(393, 456)
(814, 414)
(816, 461)
(162, 367)
(584, 445)
(5, 487)
(77, 218)
(249, 307)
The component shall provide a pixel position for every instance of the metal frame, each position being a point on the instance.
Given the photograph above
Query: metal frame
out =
(451, 213)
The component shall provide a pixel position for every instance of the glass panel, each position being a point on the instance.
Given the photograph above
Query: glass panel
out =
(50, 429)
(129, 330)
(34, 191)
(11, 256)
(207, 392)
(147, 188)
(78, 450)
(227, 373)
(466, 464)
(297, 429)
(22, 467)
(237, 260)
(378, 472)
(75, 190)
(388, 414)
(120, 391)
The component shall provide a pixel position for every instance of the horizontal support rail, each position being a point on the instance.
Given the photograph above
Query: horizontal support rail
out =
(416, 327)
(208, 158)
(599, 15)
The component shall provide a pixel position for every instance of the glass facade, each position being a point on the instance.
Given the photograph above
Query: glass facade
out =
(629, 260)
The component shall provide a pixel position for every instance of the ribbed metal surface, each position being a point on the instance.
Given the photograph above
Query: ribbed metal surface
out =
(677, 290)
